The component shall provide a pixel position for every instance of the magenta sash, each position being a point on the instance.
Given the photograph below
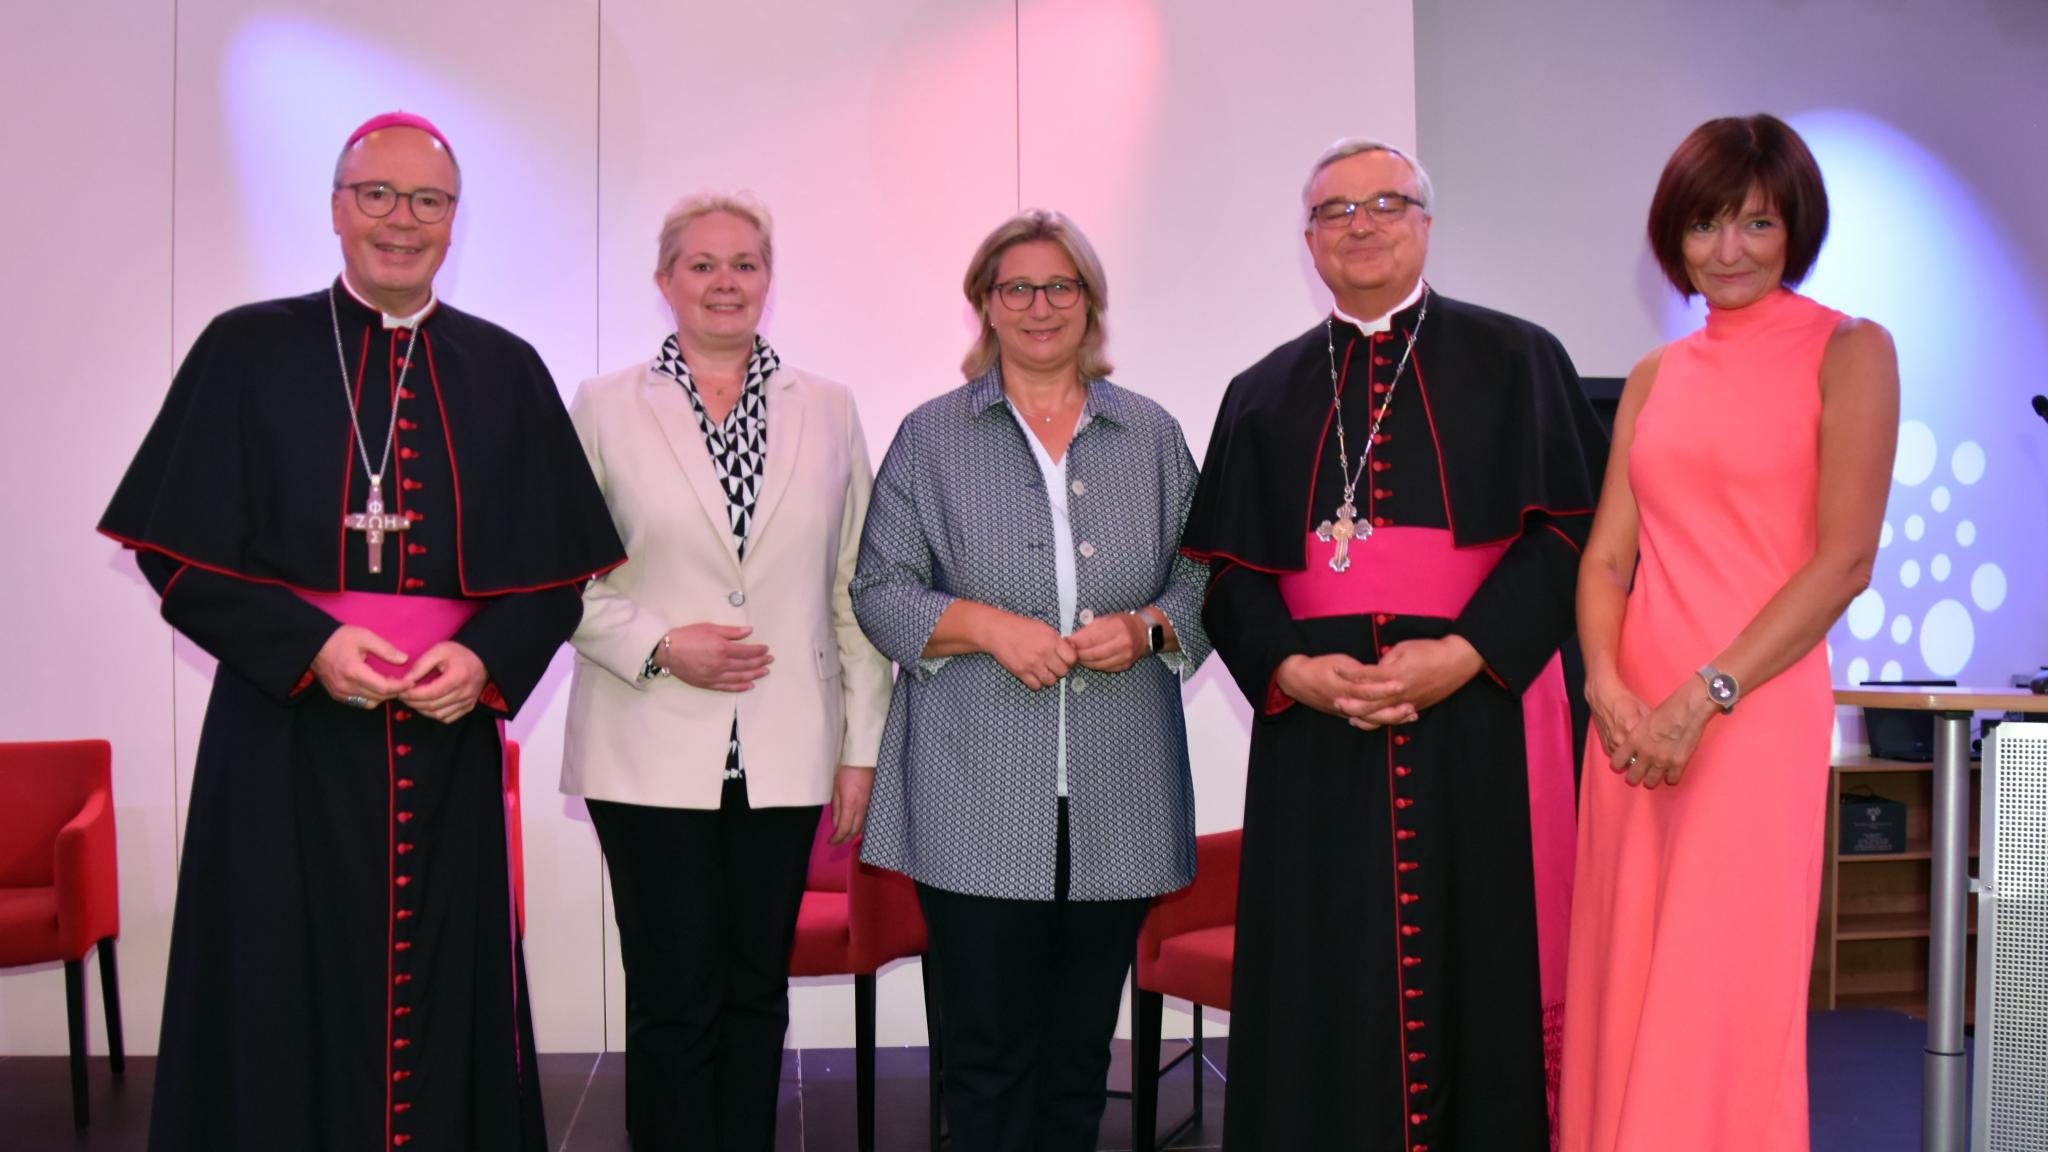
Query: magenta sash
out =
(412, 623)
(1421, 572)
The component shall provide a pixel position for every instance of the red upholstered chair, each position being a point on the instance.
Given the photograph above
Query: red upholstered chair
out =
(515, 837)
(59, 892)
(854, 919)
(1184, 951)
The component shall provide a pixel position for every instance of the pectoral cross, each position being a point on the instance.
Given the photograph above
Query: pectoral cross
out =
(1343, 530)
(373, 523)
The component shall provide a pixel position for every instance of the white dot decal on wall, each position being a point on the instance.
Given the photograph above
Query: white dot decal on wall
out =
(1892, 672)
(1939, 498)
(1884, 535)
(1909, 573)
(1866, 614)
(1902, 629)
(1987, 586)
(1947, 637)
(1859, 670)
(1915, 527)
(1939, 566)
(1968, 462)
(1915, 461)
(1966, 533)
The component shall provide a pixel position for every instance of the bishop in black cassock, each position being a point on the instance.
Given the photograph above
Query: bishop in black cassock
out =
(1405, 884)
(346, 969)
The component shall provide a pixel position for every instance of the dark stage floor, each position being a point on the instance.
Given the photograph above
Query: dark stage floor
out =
(1865, 1075)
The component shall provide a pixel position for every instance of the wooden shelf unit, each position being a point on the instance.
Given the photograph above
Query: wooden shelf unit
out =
(1870, 946)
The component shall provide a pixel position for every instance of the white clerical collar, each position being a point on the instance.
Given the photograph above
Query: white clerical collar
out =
(413, 320)
(1383, 323)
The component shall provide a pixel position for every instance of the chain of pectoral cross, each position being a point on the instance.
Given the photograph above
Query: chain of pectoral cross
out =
(1345, 526)
(371, 521)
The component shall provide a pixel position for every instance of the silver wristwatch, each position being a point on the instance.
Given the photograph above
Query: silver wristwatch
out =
(1721, 688)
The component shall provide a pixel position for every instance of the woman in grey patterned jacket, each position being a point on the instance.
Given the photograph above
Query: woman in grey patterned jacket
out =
(1021, 564)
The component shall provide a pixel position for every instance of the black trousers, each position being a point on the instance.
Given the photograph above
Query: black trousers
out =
(706, 904)
(1028, 997)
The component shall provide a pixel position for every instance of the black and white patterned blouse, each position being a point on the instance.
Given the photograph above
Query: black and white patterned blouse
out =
(739, 454)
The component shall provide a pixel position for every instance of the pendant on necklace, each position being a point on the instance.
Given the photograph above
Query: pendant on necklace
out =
(1342, 531)
(373, 523)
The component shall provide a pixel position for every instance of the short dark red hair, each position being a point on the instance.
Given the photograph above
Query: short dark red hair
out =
(1710, 176)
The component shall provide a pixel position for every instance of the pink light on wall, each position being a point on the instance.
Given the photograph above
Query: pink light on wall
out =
(1091, 88)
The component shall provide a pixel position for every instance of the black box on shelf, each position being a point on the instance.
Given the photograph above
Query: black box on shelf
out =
(1901, 733)
(1871, 825)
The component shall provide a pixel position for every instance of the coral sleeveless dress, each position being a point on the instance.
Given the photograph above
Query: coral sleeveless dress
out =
(1693, 923)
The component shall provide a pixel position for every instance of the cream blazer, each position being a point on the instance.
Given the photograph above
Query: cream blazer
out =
(659, 741)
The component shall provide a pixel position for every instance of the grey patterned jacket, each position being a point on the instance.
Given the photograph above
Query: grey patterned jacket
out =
(964, 795)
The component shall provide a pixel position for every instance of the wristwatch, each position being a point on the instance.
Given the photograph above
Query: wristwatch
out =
(1721, 688)
(1155, 633)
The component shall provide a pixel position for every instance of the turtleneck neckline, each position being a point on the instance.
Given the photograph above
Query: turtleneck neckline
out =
(1723, 322)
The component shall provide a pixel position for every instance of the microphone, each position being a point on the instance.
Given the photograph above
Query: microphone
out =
(2041, 407)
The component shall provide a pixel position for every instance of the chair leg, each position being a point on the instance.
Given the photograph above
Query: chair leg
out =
(74, 1011)
(935, 1064)
(1147, 1019)
(1201, 1064)
(864, 1058)
(110, 993)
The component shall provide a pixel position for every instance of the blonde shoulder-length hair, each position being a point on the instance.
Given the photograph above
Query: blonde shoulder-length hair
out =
(699, 204)
(1023, 228)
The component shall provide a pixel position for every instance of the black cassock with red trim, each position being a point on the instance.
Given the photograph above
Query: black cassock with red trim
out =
(345, 967)
(1386, 989)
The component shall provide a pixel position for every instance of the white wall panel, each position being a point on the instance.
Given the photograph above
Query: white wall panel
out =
(85, 313)
(196, 153)
(882, 136)
(1177, 135)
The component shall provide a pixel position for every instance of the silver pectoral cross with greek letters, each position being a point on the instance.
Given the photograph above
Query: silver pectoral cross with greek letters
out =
(373, 523)
(1344, 529)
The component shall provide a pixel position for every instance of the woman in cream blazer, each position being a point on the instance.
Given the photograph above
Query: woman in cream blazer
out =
(723, 692)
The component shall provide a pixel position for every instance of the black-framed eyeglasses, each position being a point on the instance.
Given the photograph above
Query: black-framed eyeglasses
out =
(378, 199)
(1384, 208)
(1017, 295)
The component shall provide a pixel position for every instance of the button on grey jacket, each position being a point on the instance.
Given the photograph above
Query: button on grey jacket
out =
(965, 793)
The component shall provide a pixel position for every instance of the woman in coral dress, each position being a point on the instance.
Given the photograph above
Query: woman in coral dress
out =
(1744, 496)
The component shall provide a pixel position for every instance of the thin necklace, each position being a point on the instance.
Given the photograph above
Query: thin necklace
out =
(1029, 415)
(1344, 527)
(372, 520)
